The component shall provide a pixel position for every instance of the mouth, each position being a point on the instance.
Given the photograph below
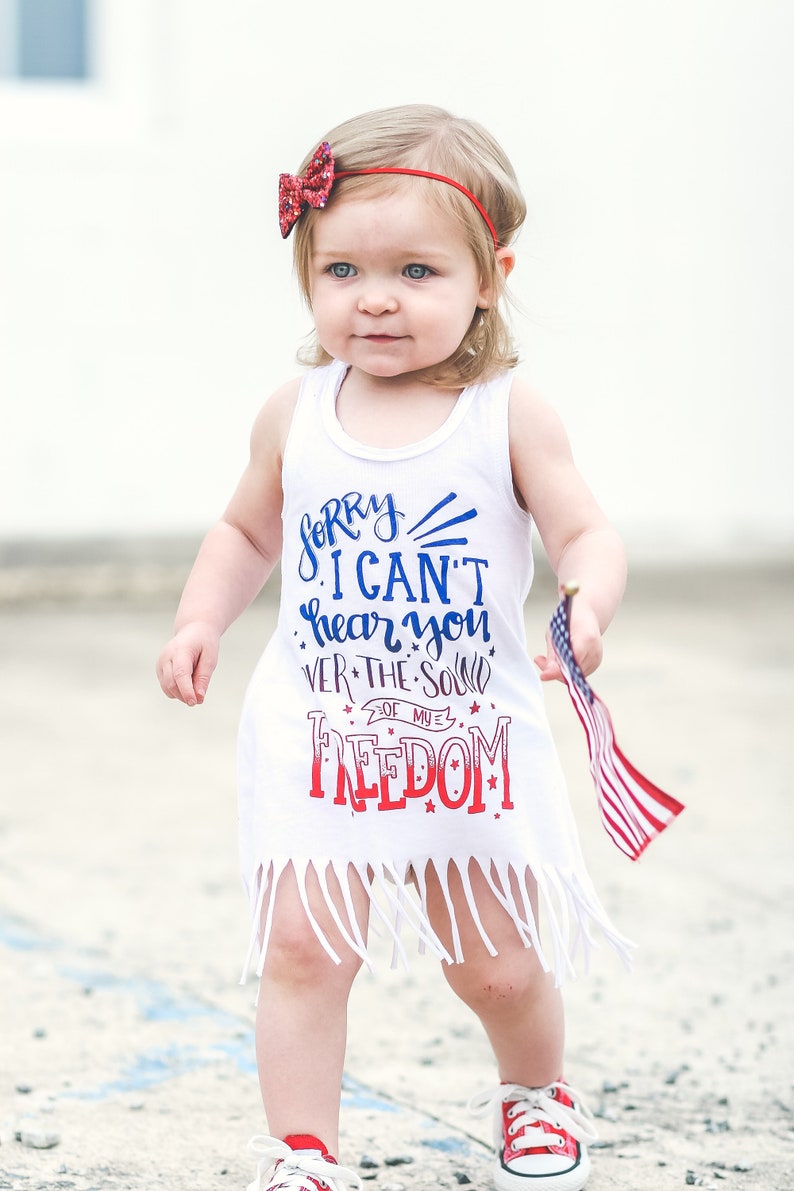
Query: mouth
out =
(382, 338)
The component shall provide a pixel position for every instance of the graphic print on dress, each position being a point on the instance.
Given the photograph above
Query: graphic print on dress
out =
(405, 719)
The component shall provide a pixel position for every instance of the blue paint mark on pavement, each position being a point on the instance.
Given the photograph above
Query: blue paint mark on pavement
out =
(155, 1000)
(18, 937)
(156, 1003)
(230, 1040)
(447, 1145)
(358, 1095)
(148, 1069)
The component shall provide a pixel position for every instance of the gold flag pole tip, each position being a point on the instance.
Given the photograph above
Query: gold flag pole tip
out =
(570, 589)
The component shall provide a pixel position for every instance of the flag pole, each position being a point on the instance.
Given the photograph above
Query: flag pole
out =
(569, 590)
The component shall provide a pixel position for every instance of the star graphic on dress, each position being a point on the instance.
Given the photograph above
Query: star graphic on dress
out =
(455, 764)
(347, 709)
(430, 807)
(492, 782)
(491, 651)
(415, 647)
(493, 707)
(391, 731)
(475, 707)
(355, 673)
(303, 644)
(497, 815)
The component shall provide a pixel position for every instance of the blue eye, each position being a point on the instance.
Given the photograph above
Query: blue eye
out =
(416, 272)
(341, 269)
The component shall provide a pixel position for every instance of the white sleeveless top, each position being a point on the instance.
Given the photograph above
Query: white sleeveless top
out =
(395, 721)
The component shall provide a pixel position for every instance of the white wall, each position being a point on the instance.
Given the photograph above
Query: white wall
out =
(146, 305)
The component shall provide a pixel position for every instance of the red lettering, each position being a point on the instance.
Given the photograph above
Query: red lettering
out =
(479, 745)
(388, 772)
(411, 744)
(457, 745)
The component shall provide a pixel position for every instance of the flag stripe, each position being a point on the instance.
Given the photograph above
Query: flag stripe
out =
(633, 809)
(611, 806)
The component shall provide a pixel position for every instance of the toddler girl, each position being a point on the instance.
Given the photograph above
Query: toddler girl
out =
(395, 761)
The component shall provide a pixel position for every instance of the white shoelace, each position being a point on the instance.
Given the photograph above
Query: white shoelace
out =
(533, 1105)
(296, 1168)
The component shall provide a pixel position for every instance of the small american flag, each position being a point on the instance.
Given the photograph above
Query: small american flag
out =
(633, 810)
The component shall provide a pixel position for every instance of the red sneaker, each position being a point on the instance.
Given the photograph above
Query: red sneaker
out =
(282, 1168)
(540, 1136)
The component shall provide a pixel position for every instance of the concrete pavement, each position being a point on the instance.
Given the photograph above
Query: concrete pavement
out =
(127, 1042)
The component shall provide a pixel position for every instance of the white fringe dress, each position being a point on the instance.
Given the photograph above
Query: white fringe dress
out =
(395, 722)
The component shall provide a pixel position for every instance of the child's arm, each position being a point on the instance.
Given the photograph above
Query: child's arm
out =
(235, 559)
(580, 542)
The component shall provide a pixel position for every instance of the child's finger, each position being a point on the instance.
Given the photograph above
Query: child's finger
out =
(183, 684)
(548, 667)
(203, 673)
(165, 676)
(183, 669)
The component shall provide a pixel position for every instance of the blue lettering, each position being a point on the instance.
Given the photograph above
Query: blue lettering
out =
(478, 562)
(397, 575)
(451, 627)
(426, 570)
(369, 593)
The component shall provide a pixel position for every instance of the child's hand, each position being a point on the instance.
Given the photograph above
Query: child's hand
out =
(588, 648)
(185, 666)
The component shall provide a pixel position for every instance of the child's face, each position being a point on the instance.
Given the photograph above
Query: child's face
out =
(394, 285)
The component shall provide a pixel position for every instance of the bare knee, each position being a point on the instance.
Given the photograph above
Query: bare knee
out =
(302, 953)
(296, 958)
(497, 984)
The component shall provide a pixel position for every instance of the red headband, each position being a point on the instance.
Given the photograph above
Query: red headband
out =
(295, 194)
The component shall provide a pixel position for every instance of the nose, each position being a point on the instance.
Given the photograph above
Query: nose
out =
(377, 299)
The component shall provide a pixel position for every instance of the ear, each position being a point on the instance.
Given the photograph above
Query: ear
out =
(506, 259)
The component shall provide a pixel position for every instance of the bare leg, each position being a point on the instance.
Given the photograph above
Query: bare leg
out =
(301, 1020)
(520, 1009)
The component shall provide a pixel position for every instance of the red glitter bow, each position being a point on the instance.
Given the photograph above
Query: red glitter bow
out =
(312, 190)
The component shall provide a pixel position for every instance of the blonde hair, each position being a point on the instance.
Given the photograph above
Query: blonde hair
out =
(420, 136)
